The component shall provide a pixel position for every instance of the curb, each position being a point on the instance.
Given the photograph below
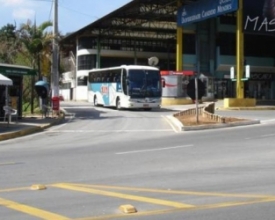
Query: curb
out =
(225, 125)
(245, 108)
(181, 127)
(28, 131)
(20, 133)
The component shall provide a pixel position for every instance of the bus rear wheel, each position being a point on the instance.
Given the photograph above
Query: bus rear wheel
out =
(118, 105)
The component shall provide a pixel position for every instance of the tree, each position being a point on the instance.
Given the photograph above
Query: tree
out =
(9, 43)
(36, 44)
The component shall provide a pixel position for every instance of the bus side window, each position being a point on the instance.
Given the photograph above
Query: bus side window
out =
(97, 77)
(91, 78)
(110, 77)
(104, 76)
(116, 77)
(124, 85)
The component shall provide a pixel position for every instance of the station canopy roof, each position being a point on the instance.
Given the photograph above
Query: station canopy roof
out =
(17, 70)
(5, 80)
(147, 19)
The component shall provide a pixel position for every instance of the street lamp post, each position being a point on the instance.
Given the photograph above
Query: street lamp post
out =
(55, 75)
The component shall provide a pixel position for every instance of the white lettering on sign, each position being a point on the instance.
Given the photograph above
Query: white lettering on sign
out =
(224, 1)
(191, 18)
(209, 10)
(261, 76)
(184, 13)
(224, 8)
(258, 25)
(208, 13)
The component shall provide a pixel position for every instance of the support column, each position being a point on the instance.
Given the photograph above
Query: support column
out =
(240, 52)
(179, 67)
(179, 62)
(239, 101)
(98, 64)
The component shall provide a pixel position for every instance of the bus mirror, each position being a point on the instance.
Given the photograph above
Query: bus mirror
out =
(163, 82)
(127, 82)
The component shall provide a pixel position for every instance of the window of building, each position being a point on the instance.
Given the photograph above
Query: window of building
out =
(226, 42)
(189, 44)
(259, 45)
(82, 80)
(86, 43)
(86, 62)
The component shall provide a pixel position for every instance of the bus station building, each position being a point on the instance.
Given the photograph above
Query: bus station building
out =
(209, 37)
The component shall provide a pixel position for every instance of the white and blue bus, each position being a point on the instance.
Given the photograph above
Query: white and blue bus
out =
(126, 86)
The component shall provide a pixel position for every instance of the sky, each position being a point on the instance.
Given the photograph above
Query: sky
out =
(72, 14)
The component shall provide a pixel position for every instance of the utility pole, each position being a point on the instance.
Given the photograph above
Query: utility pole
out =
(55, 75)
(197, 72)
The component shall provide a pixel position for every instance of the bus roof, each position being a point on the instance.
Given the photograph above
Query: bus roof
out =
(126, 67)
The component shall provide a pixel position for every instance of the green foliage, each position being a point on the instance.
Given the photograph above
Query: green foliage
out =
(36, 40)
(9, 43)
(30, 45)
(27, 108)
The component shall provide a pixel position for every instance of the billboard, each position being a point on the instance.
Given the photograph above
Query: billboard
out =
(259, 17)
(204, 9)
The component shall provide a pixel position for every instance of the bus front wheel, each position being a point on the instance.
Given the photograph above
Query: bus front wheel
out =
(118, 106)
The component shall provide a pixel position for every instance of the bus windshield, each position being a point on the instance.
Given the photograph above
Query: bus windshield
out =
(144, 83)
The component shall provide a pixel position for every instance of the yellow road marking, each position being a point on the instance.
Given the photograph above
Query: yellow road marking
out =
(123, 196)
(240, 203)
(31, 210)
(14, 189)
(145, 213)
(233, 195)
(167, 211)
(8, 163)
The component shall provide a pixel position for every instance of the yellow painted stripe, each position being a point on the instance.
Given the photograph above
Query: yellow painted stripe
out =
(123, 196)
(133, 215)
(176, 191)
(31, 210)
(237, 203)
(202, 207)
(8, 163)
(14, 189)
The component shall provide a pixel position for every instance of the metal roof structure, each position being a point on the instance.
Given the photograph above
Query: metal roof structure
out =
(16, 70)
(145, 19)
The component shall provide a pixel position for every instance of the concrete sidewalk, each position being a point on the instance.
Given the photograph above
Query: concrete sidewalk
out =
(27, 125)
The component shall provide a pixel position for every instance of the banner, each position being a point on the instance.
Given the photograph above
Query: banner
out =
(204, 9)
(259, 16)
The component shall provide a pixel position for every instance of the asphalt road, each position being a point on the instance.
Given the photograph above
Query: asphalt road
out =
(101, 159)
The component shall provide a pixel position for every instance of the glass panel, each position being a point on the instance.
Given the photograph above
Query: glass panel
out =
(86, 62)
(82, 81)
(144, 83)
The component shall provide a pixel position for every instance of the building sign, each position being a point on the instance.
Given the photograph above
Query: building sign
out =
(259, 17)
(261, 76)
(204, 9)
(8, 69)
